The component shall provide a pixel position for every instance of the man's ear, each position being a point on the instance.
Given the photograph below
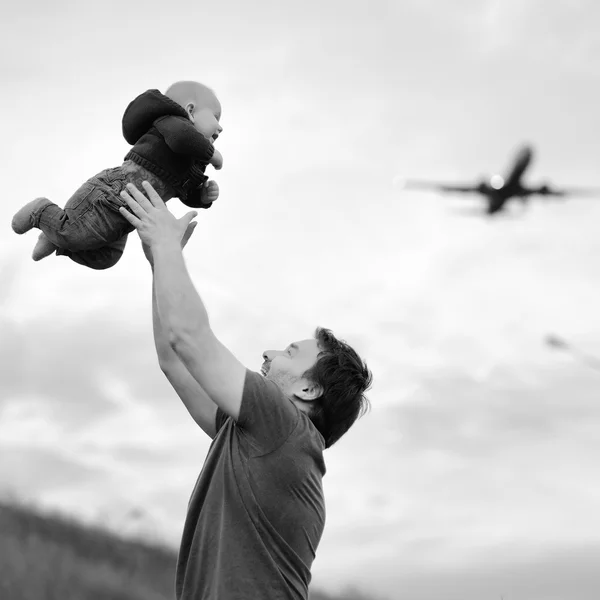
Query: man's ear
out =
(310, 392)
(189, 107)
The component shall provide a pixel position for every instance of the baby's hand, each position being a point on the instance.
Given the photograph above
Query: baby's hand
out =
(217, 160)
(210, 192)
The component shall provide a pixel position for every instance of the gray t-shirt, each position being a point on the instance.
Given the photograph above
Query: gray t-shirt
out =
(257, 512)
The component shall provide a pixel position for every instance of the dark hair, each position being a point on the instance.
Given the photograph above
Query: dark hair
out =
(345, 378)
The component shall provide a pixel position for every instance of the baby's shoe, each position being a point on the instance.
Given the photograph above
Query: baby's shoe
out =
(21, 222)
(43, 248)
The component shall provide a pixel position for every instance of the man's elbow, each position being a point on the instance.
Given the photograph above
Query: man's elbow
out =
(176, 339)
(165, 363)
(187, 343)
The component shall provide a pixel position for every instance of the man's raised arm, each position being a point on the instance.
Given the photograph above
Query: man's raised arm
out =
(198, 403)
(180, 309)
(185, 318)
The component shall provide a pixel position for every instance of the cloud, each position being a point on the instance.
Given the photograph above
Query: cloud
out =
(480, 439)
(508, 572)
(463, 468)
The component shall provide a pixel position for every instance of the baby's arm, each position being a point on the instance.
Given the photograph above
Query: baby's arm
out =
(203, 196)
(217, 160)
(181, 136)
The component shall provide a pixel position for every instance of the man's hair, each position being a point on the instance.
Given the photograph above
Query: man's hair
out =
(345, 378)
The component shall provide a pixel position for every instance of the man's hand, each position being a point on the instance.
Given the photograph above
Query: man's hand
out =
(154, 223)
(184, 240)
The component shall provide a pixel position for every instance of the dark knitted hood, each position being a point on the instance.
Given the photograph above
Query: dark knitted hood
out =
(144, 110)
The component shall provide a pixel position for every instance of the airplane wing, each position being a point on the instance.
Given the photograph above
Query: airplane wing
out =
(419, 184)
(546, 190)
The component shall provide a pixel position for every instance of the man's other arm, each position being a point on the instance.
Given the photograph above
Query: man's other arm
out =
(183, 315)
(198, 403)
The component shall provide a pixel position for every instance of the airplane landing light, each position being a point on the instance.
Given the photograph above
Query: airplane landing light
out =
(497, 181)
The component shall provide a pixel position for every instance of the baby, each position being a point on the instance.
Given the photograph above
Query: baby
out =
(172, 137)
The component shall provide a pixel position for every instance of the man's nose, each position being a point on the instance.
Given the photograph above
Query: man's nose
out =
(220, 129)
(269, 355)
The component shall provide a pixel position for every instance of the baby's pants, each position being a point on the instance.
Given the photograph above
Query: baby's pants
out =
(89, 230)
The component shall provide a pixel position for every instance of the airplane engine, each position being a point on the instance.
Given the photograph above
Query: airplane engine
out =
(548, 190)
(544, 190)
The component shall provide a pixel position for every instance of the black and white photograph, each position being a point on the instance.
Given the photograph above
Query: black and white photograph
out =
(300, 300)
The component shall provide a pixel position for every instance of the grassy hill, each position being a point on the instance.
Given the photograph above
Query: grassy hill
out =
(49, 557)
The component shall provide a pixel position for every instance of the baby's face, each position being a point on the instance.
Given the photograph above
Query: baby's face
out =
(205, 118)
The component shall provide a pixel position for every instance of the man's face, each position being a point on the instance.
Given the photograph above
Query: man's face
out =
(286, 368)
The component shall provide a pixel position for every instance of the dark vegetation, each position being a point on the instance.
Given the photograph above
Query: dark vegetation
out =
(49, 557)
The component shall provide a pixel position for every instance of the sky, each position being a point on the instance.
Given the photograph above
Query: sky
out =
(475, 472)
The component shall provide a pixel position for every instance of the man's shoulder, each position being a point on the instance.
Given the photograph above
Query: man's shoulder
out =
(306, 430)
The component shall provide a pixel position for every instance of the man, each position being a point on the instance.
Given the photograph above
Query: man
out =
(257, 512)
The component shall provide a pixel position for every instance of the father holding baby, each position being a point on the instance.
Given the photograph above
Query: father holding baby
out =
(257, 512)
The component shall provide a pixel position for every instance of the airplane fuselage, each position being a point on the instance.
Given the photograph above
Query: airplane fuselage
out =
(500, 189)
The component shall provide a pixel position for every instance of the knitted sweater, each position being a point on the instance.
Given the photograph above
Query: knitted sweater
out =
(166, 143)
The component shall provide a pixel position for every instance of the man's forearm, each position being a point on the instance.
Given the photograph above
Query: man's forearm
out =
(161, 340)
(180, 309)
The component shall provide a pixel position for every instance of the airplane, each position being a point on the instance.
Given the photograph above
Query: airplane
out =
(499, 190)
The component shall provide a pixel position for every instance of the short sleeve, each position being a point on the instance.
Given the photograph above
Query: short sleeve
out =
(266, 415)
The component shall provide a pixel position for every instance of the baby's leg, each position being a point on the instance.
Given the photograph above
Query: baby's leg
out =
(26, 217)
(43, 248)
(99, 258)
(61, 226)
(71, 228)
(88, 221)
